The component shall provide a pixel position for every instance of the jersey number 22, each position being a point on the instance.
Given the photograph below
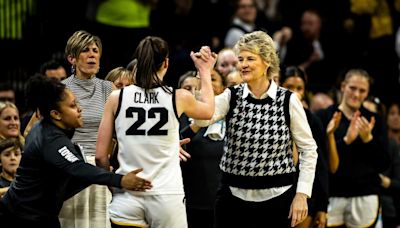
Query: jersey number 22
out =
(141, 118)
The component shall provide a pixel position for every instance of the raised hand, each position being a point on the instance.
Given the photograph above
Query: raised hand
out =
(365, 128)
(204, 59)
(352, 132)
(334, 123)
(131, 181)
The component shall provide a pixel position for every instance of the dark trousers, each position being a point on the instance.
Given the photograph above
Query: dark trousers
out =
(10, 220)
(198, 218)
(231, 211)
(389, 222)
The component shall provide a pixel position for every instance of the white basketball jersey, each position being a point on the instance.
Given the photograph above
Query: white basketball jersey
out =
(147, 130)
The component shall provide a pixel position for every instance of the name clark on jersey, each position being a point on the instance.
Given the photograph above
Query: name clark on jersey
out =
(150, 97)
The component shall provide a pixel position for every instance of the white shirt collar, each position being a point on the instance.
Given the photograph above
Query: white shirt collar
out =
(271, 92)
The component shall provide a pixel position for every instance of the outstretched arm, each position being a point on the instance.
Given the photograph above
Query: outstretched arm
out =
(204, 61)
(63, 155)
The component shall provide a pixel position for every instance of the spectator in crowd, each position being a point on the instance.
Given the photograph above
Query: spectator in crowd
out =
(320, 101)
(374, 104)
(9, 120)
(10, 156)
(120, 77)
(53, 68)
(243, 21)
(7, 92)
(310, 50)
(226, 61)
(393, 121)
(190, 82)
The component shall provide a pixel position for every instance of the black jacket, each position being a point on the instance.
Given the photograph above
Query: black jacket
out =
(320, 194)
(52, 169)
(201, 173)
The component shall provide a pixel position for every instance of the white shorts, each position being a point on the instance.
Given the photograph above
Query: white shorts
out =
(360, 211)
(153, 211)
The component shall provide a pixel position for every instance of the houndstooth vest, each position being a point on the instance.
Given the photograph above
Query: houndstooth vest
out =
(258, 147)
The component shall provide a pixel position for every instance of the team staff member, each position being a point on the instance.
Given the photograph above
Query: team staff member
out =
(258, 187)
(52, 168)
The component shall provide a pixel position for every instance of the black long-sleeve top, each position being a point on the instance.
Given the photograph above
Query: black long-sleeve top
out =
(52, 169)
(359, 163)
(390, 196)
(320, 197)
(4, 182)
(201, 173)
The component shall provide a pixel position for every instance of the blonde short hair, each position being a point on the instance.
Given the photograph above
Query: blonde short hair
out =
(7, 104)
(260, 43)
(119, 72)
(79, 41)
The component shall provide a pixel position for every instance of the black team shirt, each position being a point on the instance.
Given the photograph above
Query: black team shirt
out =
(52, 169)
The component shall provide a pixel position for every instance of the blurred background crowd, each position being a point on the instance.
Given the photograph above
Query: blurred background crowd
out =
(318, 43)
(325, 38)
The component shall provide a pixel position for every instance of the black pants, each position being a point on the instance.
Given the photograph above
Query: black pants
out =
(10, 220)
(389, 222)
(231, 211)
(198, 218)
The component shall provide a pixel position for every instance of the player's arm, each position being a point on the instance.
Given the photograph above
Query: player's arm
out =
(105, 133)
